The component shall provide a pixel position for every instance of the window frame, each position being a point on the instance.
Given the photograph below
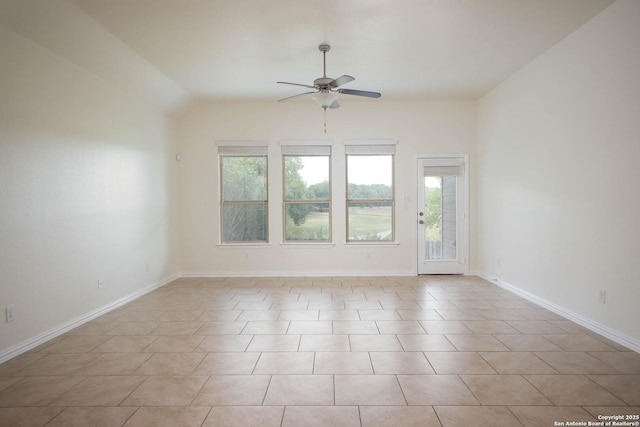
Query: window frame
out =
(306, 149)
(247, 150)
(370, 149)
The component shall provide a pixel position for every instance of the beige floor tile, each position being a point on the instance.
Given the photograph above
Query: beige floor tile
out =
(517, 362)
(30, 416)
(305, 390)
(170, 364)
(6, 382)
(354, 327)
(533, 313)
(425, 343)
(299, 315)
(233, 390)
(125, 344)
(300, 363)
(298, 327)
(400, 363)
(404, 327)
(575, 362)
(168, 416)
(179, 316)
(374, 343)
(578, 343)
(625, 387)
(422, 314)
(500, 314)
(395, 416)
(458, 363)
(175, 344)
(627, 362)
(221, 328)
(527, 343)
(114, 364)
(224, 343)
(339, 314)
(536, 416)
(436, 390)
(75, 344)
(438, 327)
(504, 390)
(572, 390)
(243, 416)
(458, 416)
(227, 363)
(535, 327)
(489, 327)
(100, 391)
(362, 305)
(324, 343)
(166, 391)
(459, 314)
(220, 315)
(57, 364)
(322, 416)
(476, 343)
(399, 305)
(368, 390)
(133, 328)
(274, 343)
(258, 315)
(342, 363)
(379, 315)
(14, 365)
(37, 391)
(269, 327)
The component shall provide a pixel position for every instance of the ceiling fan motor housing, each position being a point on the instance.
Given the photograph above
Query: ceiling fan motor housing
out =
(322, 82)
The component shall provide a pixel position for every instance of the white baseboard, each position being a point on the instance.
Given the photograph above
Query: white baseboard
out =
(371, 273)
(25, 346)
(592, 325)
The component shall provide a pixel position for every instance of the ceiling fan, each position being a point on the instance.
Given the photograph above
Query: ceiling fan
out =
(326, 88)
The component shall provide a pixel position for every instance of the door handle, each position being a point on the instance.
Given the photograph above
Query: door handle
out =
(421, 222)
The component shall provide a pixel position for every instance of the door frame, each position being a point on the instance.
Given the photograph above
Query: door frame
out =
(462, 241)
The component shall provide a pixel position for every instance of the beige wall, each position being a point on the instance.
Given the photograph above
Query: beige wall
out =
(419, 128)
(87, 192)
(558, 147)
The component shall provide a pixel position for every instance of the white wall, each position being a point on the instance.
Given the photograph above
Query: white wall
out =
(87, 191)
(558, 150)
(419, 128)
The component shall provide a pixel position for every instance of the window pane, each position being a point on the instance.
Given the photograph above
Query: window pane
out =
(244, 222)
(307, 221)
(370, 177)
(306, 177)
(370, 221)
(244, 178)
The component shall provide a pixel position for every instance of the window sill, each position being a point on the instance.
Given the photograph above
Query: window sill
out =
(244, 245)
(307, 245)
(372, 244)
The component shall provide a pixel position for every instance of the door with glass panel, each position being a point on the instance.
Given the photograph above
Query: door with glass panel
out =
(442, 216)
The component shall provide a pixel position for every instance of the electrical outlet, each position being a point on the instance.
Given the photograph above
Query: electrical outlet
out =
(100, 283)
(10, 313)
(602, 296)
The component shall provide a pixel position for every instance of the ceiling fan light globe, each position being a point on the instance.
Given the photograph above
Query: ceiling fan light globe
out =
(325, 99)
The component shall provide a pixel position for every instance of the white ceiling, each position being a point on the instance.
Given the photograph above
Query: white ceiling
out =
(419, 49)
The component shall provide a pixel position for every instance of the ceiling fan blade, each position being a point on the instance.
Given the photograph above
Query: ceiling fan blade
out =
(295, 96)
(297, 84)
(335, 104)
(360, 93)
(341, 81)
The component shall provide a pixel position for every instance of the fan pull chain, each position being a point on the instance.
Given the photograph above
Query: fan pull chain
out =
(325, 120)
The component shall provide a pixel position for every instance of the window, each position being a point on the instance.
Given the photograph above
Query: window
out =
(307, 192)
(370, 192)
(243, 194)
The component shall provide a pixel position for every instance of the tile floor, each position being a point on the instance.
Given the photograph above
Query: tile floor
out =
(343, 351)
